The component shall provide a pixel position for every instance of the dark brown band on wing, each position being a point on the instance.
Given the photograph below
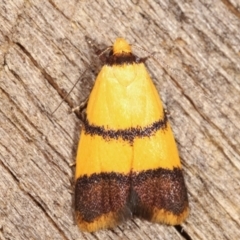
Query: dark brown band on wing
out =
(133, 194)
(101, 194)
(161, 189)
(123, 58)
(126, 134)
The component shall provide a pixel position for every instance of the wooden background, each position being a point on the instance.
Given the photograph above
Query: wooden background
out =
(43, 52)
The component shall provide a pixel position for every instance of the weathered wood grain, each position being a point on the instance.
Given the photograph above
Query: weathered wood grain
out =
(43, 52)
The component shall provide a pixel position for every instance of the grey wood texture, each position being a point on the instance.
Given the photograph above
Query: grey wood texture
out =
(43, 52)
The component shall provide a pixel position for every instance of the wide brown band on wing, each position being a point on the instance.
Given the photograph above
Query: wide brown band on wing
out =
(103, 200)
(126, 134)
(160, 192)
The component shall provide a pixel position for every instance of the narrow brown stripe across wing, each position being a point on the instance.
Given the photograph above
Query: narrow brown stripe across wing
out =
(126, 134)
(124, 58)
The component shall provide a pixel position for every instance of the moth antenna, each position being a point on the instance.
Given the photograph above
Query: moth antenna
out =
(99, 53)
(74, 85)
(150, 55)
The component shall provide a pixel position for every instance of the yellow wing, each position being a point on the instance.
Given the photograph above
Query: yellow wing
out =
(127, 160)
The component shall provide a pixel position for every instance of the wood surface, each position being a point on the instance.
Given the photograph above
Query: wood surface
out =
(43, 52)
